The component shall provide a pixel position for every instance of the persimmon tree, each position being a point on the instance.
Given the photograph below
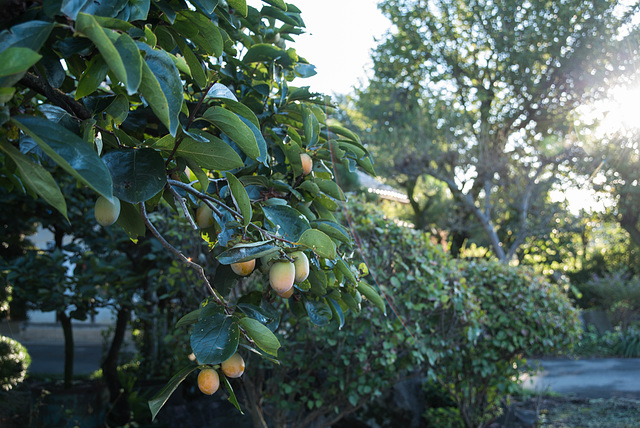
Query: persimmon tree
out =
(188, 104)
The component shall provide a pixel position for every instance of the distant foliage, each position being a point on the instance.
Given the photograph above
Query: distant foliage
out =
(14, 362)
(618, 293)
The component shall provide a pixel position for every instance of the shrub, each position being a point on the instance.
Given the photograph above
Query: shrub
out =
(14, 362)
(618, 293)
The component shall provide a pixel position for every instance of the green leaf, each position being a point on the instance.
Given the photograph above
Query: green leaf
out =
(91, 77)
(265, 313)
(319, 312)
(337, 312)
(201, 31)
(341, 130)
(279, 14)
(240, 6)
(261, 335)
(240, 198)
(311, 126)
(188, 319)
(130, 55)
(72, 7)
(344, 269)
(30, 34)
(215, 338)
(229, 123)
(262, 52)
(319, 243)
(232, 396)
(69, 151)
(278, 3)
(212, 154)
(87, 25)
(221, 92)
(138, 174)
(334, 230)
(161, 87)
(288, 222)
(197, 71)
(262, 144)
(156, 403)
(330, 188)
(245, 252)
(131, 221)
(371, 294)
(16, 60)
(37, 178)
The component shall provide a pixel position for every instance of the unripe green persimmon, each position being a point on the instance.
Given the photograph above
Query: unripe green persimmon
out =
(307, 163)
(281, 276)
(243, 268)
(208, 381)
(301, 265)
(234, 366)
(106, 212)
(204, 216)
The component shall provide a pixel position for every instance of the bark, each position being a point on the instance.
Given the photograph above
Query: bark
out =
(120, 412)
(67, 330)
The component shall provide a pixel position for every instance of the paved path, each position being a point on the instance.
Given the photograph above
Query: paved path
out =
(592, 378)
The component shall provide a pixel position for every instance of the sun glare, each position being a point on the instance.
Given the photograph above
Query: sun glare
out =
(621, 112)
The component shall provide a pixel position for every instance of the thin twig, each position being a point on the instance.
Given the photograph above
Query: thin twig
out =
(183, 205)
(178, 254)
(208, 199)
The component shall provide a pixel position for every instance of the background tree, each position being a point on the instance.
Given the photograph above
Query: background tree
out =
(481, 96)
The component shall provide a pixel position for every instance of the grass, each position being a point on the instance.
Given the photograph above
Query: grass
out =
(568, 412)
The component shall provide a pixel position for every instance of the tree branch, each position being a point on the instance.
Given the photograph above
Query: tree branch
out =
(56, 96)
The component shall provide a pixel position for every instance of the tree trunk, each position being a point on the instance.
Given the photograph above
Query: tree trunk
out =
(67, 330)
(120, 412)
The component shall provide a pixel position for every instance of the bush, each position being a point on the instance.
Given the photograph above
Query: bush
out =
(14, 362)
(618, 293)
(467, 325)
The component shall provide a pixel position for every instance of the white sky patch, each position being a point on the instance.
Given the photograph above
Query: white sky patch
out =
(340, 35)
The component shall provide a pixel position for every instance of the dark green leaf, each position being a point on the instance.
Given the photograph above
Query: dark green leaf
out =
(240, 198)
(161, 87)
(319, 243)
(156, 403)
(131, 221)
(330, 188)
(92, 76)
(37, 178)
(130, 55)
(262, 144)
(239, 5)
(212, 154)
(219, 91)
(31, 34)
(319, 312)
(70, 152)
(232, 396)
(279, 14)
(263, 52)
(286, 221)
(15, 60)
(138, 175)
(344, 269)
(197, 71)
(371, 294)
(224, 279)
(72, 7)
(87, 25)
(267, 315)
(229, 123)
(334, 230)
(215, 338)
(278, 3)
(337, 312)
(188, 319)
(261, 335)
(245, 252)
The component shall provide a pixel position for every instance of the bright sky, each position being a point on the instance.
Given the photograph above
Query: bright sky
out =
(339, 37)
